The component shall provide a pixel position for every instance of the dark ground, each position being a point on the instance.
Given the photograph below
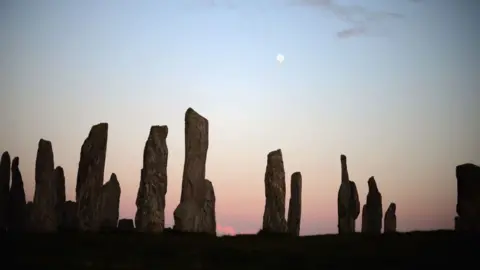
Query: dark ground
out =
(415, 250)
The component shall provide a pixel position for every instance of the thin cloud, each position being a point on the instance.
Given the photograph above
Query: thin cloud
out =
(359, 17)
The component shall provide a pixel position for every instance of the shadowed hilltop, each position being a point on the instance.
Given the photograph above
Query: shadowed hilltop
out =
(96, 209)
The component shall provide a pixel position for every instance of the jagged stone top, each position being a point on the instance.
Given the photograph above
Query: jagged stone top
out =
(158, 132)
(113, 180)
(372, 185)
(15, 162)
(275, 153)
(98, 129)
(192, 114)
(392, 208)
(42, 143)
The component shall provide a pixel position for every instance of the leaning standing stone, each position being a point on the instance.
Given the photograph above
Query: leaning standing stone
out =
(17, 205)
(110, 203)
(390, 221)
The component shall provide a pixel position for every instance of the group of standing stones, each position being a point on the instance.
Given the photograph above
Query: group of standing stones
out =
(97, 204)
(348, 202)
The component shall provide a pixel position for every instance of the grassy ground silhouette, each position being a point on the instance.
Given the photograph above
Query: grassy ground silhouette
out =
(412, 250)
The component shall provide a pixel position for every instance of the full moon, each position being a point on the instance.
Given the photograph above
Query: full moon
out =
(280, 58)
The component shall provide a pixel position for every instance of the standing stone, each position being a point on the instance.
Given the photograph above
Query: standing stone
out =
(468, 198)
(110, 203)
(348, 202)
(274, 213)
(4, 189)
(59, 181)
(44, 217)
(29, 217)
(188, 213)
(390, 220)
(150, 216)
(364, 218)
(69, 217)
(209, 222)
(295, 204)
(91, 169)
(374, 208)
(17, 213)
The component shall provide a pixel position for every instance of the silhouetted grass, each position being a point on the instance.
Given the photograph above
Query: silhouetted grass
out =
(173, 250)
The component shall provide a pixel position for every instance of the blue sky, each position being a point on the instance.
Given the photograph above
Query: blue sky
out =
(399, 97)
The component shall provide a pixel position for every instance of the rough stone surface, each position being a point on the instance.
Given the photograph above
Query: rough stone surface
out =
(44, 201)
(192, 198)
(91, 169)
(348, 202)
(374, 208)
(295, 204)
(110, 203)
(150, 215)
(274, 213)
(468, 197)
(390, 220)
(364, 218)
(69, 217)
(59, 182)
(4, 189)
(126, 225)
(209, 221)
(17, 212)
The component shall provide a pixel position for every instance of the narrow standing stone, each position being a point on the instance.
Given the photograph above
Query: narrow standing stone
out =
(209, 222)
(390, 220)
(59, 182)
(91, 169)
(274, 213)
(374, 208)
(348, 202)
(295, 204)
(17, 212)
(45, 198)
(110, 203)
(4, 189)
(150, 215)
(187, 215)
(468, 197)
(364, 219)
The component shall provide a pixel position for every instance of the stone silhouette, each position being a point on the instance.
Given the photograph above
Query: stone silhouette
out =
(69, 217)
(468, 198)
(59, 182)
(44, 218)
(208, 221)
(364, 218)
(126, 225)
(150, 215)
(274, 213)
(91, 169)
(295, 204)
(5, 163)
(374, 213)
(29, 217)
(390, 220)
(110, 203)
(348, 202)
(188, 213)
(17, 212)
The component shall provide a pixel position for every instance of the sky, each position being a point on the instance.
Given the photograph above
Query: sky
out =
(393, 85)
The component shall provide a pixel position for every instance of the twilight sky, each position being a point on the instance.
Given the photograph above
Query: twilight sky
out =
(393, 84)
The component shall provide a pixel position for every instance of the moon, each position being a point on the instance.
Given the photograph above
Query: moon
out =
(280, 58)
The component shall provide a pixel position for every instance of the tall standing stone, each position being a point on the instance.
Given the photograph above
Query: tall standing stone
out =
(44, 218)
(59, 182)
(17, 213)
(4, 188)
(295, 204)
(468, 198)
(274, 213)
(150, 215)
(348, 202)
(364, 219)
(90, 175)
(110, 204)
(187, 215)
(390, 220)
(374, 208)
